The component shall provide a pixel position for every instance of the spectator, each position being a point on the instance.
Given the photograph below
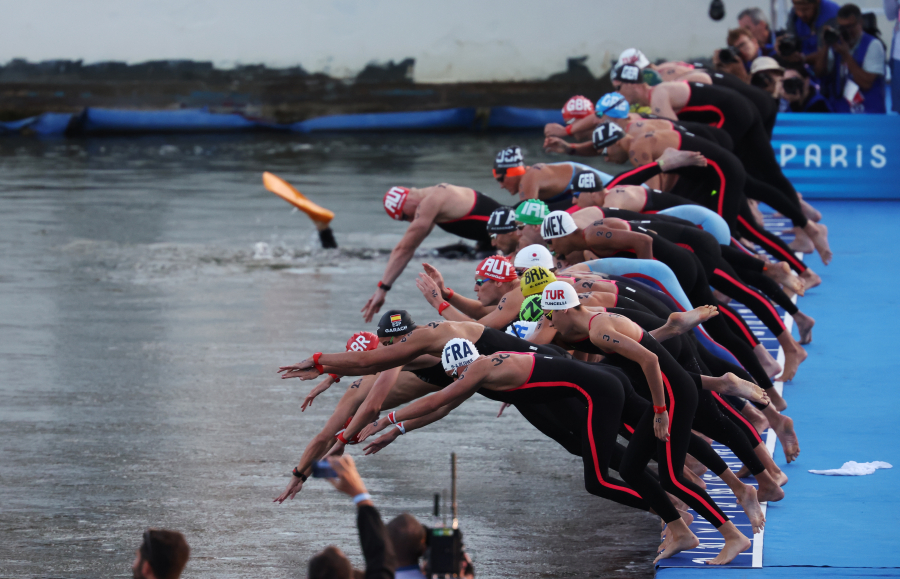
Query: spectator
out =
(408, 538)
(745, 45)
(853, 73)
(162, 555)
(892, 11)
(805, 24)
(766, 73)
(754, 21)
(801, 94)
(332, 563)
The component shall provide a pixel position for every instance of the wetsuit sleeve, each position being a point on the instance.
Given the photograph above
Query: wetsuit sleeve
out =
(377, 550)
(637, 176)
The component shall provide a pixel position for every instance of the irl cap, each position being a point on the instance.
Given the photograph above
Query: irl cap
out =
(531, 309)
(633, 56)
(509, 162)
(559, 296)
(586, 182)
(497, 268)
(613, 105)
(362, 342)
(394, 201)
(535, 280)
(501, 220)
(606, 134)
(534, 255)
(458, 352)
(558, 224)
(576, 107)
(532, 212)
(395, 322)
(627, 73)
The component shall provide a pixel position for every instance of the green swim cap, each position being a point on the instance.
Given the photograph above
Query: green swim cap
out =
(651, 77)
(532, 212)
(531, 309)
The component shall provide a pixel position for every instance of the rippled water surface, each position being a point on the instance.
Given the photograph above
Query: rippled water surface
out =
(150, 288)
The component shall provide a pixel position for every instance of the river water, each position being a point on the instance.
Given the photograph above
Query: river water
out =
(150, 289)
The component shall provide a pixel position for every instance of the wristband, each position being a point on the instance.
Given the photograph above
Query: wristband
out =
(384, 286)
(400, 427)
(319, 368)
(298, 474)
(660, 163)
(442, 307)
(392, 418)
(450, 293)
(361, 497)
(335, 377)
(568, 129)
(659, 409)
(340, 437)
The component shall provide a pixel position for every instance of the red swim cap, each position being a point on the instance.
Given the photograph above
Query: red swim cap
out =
(577, 107)
(362, 342)
(394, 201)
(497, 268)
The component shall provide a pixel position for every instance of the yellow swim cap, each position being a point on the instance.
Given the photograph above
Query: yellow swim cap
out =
(535, 279)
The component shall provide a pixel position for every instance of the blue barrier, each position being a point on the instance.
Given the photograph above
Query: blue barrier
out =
(185, 120)
(519, 118)
(443, 120)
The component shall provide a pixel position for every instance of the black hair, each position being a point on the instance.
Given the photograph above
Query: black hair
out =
(849, 10)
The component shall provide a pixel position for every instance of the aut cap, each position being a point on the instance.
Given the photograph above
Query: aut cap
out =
(606, 134)
(531, 309)
(394, 201)
(509, 162)
(532, 212)
(586, 182)
(613, 105)
(458, 352)
(497, 268)
(558, 224)
(534, 255)
(627, 73)
(633, 56)
(501, 220)
(535, 279)
(559, 296)
(362, 342)
(576, 107)
(395, 323)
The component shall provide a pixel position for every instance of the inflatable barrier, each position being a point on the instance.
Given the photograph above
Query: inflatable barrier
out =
(461, 119)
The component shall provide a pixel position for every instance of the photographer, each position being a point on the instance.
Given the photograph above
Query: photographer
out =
(744, 47)
(853, 72)
(892, 12)
(801, 94)
(409, 538)
(766, 73)
(806, 21)
(754, 21)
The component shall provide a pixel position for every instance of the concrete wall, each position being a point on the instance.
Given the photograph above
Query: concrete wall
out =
(461, 40)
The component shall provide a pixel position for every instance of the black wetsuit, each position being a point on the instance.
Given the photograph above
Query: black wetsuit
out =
(474, 224)
(763, 101)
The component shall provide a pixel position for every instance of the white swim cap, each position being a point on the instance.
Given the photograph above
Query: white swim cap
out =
(558, 224)
(534, 255)
(633, 56)
(559, 295)
(458, 352)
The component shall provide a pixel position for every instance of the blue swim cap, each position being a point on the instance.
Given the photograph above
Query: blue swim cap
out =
(613, 105)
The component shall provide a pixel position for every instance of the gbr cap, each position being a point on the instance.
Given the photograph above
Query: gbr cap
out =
(362, 342)
(577, 107)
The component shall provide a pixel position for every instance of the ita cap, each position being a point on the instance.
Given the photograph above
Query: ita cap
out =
(362, 342)
(627, 73)
(606, 134)
(501, 220)
(395, 322)
(532, 212)
(559, 296)
(394, 201)
(458, 352)
(613, 105)
(558, 224)
(586, 182)
(531, 309)
(509, 162)
(576, 107)
(633, 56)
(534, 255)
(497, 268)
(535, 280)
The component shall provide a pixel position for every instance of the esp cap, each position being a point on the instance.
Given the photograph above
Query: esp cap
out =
(394, 323)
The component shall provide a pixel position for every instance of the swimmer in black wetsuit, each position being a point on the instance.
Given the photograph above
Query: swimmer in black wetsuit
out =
(457, 210)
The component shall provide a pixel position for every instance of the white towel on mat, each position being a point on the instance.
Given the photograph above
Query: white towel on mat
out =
(854, 468)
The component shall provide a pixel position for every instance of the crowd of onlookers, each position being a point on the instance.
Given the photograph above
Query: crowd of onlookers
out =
(828, 58)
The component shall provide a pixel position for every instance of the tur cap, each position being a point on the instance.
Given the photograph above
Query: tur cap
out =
(534, 255)
(501, 220)
(531, 309)
(627, 73)
(458, 352)
(558, 224)
(535, 279)
(576, 107)
(559, 295)
(394, 323)
(532, 212)
(497, 268)
(614, 105)
(633, 56)
(394, 201)
(362, 341)
(606, 134)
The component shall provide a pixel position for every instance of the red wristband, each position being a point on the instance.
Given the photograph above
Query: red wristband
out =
(659, 409)
(340, 437)
(319, 368)
(442, 307)
(335, 377)
(568, 129)
(450, 293)
(384, 286)
(392, 418)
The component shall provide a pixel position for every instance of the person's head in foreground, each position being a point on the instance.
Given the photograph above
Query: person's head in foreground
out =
(162, 555)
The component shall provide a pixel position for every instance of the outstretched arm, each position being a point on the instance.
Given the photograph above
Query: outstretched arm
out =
(370, 408)
(471, 308)
(605, 240)
(557, 145)
(407, 425)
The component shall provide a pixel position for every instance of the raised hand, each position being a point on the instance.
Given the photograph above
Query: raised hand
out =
(319, 388)
(429, 289)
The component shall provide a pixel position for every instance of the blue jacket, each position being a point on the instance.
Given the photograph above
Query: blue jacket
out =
(834, 82)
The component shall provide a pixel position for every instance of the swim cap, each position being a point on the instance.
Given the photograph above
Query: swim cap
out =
(509, 162)
(531, 309)
(521, 329)
(535, 255)
(535, 279)
(362, 341)
(586, 182)
(497, 268)
(614, 105)
(559, 296)
(458, 352)
(395, 322)
(651, 77)
(606, 134)
(627, 73)
(394, 201)
(502, 220)
(576, 107)
(532, 212)
(558, 224)
(633, 56)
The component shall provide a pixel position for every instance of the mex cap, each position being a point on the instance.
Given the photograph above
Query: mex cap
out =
(613, 105)
(362, 342)
(531, 309)
(558, 224)
(458, 352)
(576, 107)
(586, 182)
(606, 134)
(501, 220)
(394, 201)
(532, 212)
(395, 323)
(627, 73)
(633, 56)
(534, 255)
(497, 268)
(559, 296)
(509, 162)
(535, 279)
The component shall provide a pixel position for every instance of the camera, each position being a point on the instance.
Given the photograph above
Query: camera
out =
(788, 45)
(831, 36)
(762, 80)
(322, 469)
(729, 55)
(793, 85)
(445, 550)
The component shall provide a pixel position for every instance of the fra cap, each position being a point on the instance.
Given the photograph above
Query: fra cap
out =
(633, 56)
(606, 134)
(394, 201)
(576, 107)
(627, 73)
(395, 323)
(535, 279)
(532, 212)
(501, 220)
(586, 182)
(534, 255)
(559, 296)
(558, 224)
(613, 105)
(362, 341)
(497, 268)
(458, 352)
(531, 309)
(509, 162)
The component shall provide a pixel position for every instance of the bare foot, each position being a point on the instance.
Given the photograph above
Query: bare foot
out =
(818, 234)
(782, 273)
(810, 279)
(697, 467)
(754, 210)
(735, 543)
(729, 383)
(810, 212)
(777, 401)
(784, 429)
(756, 418)
(802, 242)
(674, 159)
(780, 478)
(769, 489)
(743, 473)
(677, 503)
(769, 364)
(678, 538)
(685, 321)
(794, 355)
(686, 516)
(689, 474)
(750, 503)
(804, 326)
